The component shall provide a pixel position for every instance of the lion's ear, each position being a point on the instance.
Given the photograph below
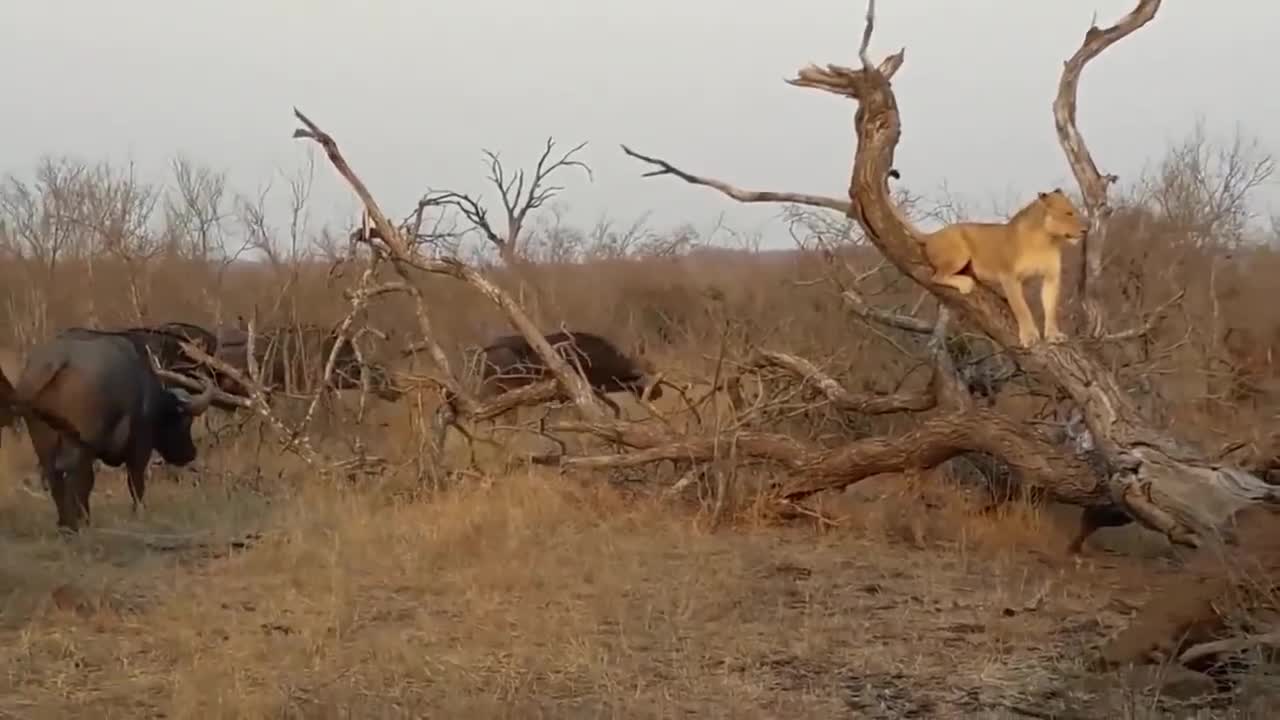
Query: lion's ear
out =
(1044, 195)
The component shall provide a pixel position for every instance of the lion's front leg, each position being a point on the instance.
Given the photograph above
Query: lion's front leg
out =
(1027, 332)
(1049, 288)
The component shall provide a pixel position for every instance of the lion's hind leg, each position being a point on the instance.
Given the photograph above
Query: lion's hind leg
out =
(963, 283)
(948, 259)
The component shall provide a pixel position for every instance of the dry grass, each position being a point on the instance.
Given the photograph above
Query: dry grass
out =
(533, 595)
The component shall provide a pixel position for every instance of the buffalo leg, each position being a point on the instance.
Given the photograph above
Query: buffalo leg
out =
(617, 411)
(84, 488)
(1094, 518)
(65, 473)
(64, 499)
(137, 485)
(71, 489)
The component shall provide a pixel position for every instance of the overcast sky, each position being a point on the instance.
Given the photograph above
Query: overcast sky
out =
(413, 90)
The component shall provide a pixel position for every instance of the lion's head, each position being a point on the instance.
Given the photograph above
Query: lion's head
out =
(1061, 219)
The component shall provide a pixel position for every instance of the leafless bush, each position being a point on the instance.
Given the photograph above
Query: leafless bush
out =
(1203, 188)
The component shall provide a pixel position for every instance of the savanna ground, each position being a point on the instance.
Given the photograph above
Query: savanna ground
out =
(520, 591)
(533, 595)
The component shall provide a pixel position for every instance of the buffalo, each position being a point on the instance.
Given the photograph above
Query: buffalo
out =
(509, 362)
(293, 357)
(91, 395)
(163, 343)
(10, 368)
(1094, 518)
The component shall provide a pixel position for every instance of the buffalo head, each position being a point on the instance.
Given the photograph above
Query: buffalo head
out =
(173, 423)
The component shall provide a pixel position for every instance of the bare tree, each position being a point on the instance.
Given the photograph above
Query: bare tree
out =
(251, 212)
(519, 195)
(39, 213)
(1202, 187)
(551, 239)
(118, 209)
(86, 214)
(196, 210)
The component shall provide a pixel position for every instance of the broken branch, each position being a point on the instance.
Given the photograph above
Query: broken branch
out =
(840, 397)
(864, 310)
(745, 196)
(257, 402)
(1229, 646)
(812, 470)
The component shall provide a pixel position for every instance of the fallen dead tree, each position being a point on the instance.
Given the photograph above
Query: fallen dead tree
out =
(1171, 488)
(1186, 493)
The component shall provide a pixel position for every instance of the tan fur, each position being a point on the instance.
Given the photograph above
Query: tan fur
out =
(1002, 255)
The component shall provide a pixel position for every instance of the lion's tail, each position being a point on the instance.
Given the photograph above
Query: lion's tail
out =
(902, 218)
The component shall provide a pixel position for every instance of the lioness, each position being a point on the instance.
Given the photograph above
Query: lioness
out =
(1002, 255)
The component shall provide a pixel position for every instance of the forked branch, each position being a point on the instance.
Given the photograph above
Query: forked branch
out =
(518, 197)
(1093, 184)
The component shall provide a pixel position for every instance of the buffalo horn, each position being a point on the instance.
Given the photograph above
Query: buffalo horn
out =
(195, 405)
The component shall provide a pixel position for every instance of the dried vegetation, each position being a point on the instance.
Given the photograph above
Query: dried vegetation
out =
(852, 499)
